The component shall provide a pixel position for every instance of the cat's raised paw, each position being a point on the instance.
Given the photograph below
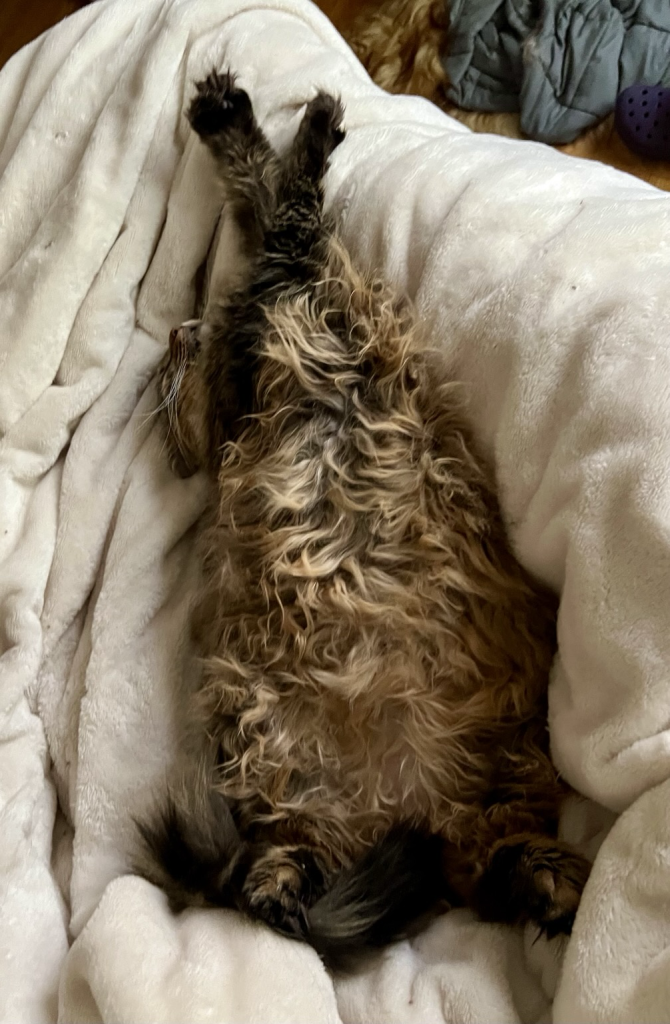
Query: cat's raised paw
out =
(219, 105)
(324, 115)
(319, 134)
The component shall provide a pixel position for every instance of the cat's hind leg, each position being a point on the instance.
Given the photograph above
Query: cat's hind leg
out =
(509, 864)
(222, 115)
(319, 134)
(297, 243)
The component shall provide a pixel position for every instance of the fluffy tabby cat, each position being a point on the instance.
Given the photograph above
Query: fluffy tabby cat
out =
(373, 702)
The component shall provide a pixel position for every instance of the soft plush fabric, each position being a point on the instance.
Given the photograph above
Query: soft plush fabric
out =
(560, 63)
(545, 282)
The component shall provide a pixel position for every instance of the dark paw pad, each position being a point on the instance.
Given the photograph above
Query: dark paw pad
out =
(320, 132)
(218, 105)
(324, 115)
(555, 892)
(280, 886)
(539, 880)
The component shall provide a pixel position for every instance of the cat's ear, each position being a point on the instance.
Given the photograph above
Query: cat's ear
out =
(185, 341)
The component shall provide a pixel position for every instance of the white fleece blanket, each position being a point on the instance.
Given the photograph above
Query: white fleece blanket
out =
(546, 279)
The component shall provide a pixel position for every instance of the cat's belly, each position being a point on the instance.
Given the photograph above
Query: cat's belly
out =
(345, 772)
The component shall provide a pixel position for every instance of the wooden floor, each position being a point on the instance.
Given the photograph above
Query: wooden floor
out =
(23, 20)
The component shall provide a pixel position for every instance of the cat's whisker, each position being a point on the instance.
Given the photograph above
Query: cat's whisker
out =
(142, 418)
(170, 404)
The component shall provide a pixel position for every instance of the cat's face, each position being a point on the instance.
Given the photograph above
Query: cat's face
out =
(183, 397)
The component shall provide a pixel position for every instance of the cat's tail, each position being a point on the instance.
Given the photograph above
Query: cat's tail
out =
(383, 897)
(191, 848)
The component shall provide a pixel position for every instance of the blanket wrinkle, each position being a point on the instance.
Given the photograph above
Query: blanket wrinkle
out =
(543, 280)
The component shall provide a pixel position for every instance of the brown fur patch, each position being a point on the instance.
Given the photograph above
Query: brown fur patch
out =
(399, 44)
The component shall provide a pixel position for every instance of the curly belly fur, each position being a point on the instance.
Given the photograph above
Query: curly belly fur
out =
(374, 638)
(396, 728)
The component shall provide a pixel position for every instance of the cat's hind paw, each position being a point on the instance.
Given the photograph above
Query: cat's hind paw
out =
(218, 106)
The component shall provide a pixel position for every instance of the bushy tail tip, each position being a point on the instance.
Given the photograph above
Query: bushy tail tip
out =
(193, 851)
(382, 898)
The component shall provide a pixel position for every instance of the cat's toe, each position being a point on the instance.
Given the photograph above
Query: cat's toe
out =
(534, 879)
(219, 105)
(275, 896)
(281, 910)
(324, 115)
(555, 895)
(280, 886)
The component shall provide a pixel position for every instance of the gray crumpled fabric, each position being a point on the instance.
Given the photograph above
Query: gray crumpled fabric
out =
(559, 63)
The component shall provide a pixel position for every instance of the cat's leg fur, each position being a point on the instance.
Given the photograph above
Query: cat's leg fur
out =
(512, 868)
(529, 874)
(284, 200)
(296, 243)
(248, 167)
(320, 133)
(295, 238)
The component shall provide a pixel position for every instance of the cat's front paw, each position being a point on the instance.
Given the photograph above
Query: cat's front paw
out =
(218, 105)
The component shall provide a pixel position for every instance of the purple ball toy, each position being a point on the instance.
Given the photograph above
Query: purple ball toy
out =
(642, 119)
